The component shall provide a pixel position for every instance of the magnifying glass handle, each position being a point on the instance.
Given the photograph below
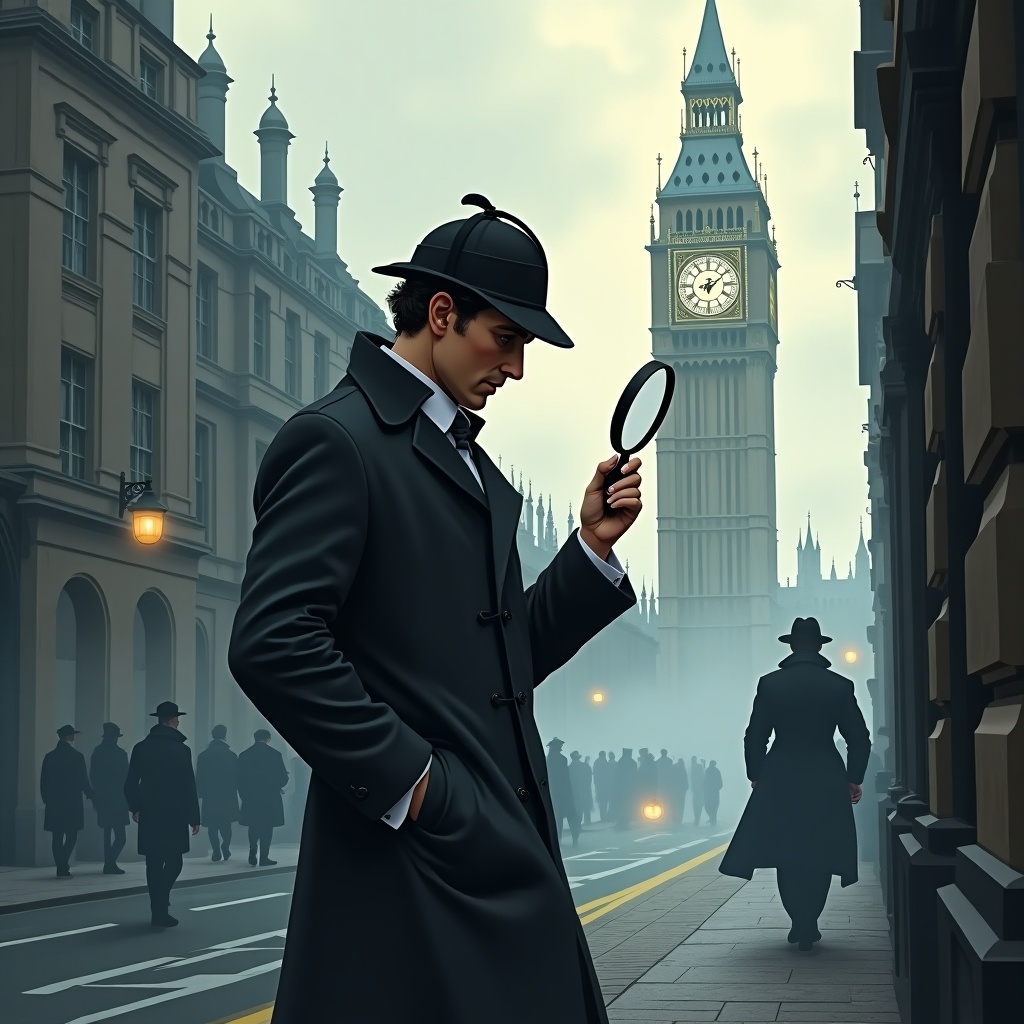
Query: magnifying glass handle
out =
(614, 477)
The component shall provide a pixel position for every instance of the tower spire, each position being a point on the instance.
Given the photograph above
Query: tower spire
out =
(711, 65)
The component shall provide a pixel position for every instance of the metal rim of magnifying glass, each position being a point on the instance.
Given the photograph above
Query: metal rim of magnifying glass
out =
(632, 389)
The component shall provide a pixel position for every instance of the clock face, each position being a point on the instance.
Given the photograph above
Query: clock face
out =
(708, 285)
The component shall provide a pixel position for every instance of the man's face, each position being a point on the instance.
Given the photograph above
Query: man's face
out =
(472, 366)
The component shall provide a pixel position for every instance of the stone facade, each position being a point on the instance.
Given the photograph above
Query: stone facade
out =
(951, 418)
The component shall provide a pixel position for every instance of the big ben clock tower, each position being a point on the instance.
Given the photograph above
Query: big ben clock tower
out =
(714, 318)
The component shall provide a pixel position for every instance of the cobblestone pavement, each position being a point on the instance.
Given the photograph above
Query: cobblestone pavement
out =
(707, 947)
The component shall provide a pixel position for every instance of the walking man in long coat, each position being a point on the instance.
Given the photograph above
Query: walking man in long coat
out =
(582, 796)
(625, 791)
(712, 791)
(63, 780)
(808, 840)
(601, 785)
(610, 776)
(217, 786)
(262, 777)
(108, 768)
(663, 786)
(384, 630)
(161, 794)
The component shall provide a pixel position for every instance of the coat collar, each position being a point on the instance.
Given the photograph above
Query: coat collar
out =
(396, 395)
(805, 658)
(165, 732)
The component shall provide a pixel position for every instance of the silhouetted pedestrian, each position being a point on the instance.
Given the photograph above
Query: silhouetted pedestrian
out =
(108, 768)
(560, 788)
(602, 784)
(697, 788)
(262, 777)
(810, 839)
(63, 780)
(664, 776)
(580, 775)
(625, 811)
(161, 794)
(712, 791)
(682, 787)
(590, 790)
(217, 785)
(646, 776)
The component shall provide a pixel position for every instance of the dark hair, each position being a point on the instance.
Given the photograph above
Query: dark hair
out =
(410, 299)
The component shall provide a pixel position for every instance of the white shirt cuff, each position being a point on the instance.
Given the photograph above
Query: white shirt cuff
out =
(397, 815)
(611, 569)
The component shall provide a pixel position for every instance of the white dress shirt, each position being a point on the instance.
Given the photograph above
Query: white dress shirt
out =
(441, 409)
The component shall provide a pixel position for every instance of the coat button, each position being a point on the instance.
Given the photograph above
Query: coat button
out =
(506, 615)
(496, 699)
(360, 793)
(521, 697)
(544, 783)
(523, 793)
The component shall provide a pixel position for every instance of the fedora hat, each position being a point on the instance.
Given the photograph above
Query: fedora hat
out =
(67, 730)
(166, 709)
(110, 729)
(805, 632)
(561, 743)
(496, 260)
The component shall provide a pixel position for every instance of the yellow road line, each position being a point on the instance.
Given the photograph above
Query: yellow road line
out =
(605, 903)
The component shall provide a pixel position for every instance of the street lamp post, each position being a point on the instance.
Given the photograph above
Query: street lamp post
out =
(147, 511)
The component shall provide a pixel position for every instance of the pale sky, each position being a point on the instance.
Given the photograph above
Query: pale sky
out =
(555, 110)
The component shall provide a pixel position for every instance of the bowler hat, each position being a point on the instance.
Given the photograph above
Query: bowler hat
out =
(166, 709)
(805, 633)
(261, 734)
(502, 264)
(110, 729)
(67, 730)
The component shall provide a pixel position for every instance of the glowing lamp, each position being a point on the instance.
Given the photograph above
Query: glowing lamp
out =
(653, 811)
(598, 697)
(849, 657)
(147, 511)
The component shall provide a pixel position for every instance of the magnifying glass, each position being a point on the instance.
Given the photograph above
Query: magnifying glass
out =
(639, 413)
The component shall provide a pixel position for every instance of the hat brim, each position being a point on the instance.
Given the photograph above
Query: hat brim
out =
(177, 714)
(788, 639)
(538, 322)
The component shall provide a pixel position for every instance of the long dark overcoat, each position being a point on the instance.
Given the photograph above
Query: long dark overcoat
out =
(108, 768)
(161, 786)
(261, 777)
(217, 784)
(63, 780)
(800, 812)
(383, 618)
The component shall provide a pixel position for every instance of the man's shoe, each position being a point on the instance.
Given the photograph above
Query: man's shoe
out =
(112, 869)
(252, 858)
(805, 944)
(227, 853)
(267, 863)
(216, 856)
(63, 873)
(164, 921)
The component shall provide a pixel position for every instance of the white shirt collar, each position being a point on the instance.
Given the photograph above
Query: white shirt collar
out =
(439, 407)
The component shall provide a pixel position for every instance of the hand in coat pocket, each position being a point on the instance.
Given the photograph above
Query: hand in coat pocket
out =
(434, 797)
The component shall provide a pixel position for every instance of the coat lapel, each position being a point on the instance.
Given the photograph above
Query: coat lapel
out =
(428, 440)
(506, 504)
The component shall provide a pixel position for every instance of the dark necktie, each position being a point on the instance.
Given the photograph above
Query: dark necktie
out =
(461, 430)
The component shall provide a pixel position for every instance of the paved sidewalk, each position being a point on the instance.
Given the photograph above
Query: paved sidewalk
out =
(28, 888)
(707, 947)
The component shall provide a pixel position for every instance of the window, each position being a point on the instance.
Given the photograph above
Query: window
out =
(149, 77)
(203, 475)
(83, 23)
(206, 295)
(77, 203)
(260, 334)
(320, 364)
(145, 264)
(73, 412)
(142, 432)
(292, 334)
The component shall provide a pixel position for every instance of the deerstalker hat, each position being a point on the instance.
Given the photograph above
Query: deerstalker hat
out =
(805, 632)
(496, 260)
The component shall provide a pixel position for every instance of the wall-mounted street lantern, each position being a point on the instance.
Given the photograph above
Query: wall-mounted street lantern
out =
(147, 512)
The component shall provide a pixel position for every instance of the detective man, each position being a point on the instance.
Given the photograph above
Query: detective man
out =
(161, 794)
(63, 780)
(384, 630)
(811, 838)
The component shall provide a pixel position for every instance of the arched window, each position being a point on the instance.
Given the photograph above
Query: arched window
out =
(689, 220)
(718, 219)
(729, 220)
(711, 218)
(679, 220)
(204, 212)
(740, 222)
(700, 220)
(215, 219)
